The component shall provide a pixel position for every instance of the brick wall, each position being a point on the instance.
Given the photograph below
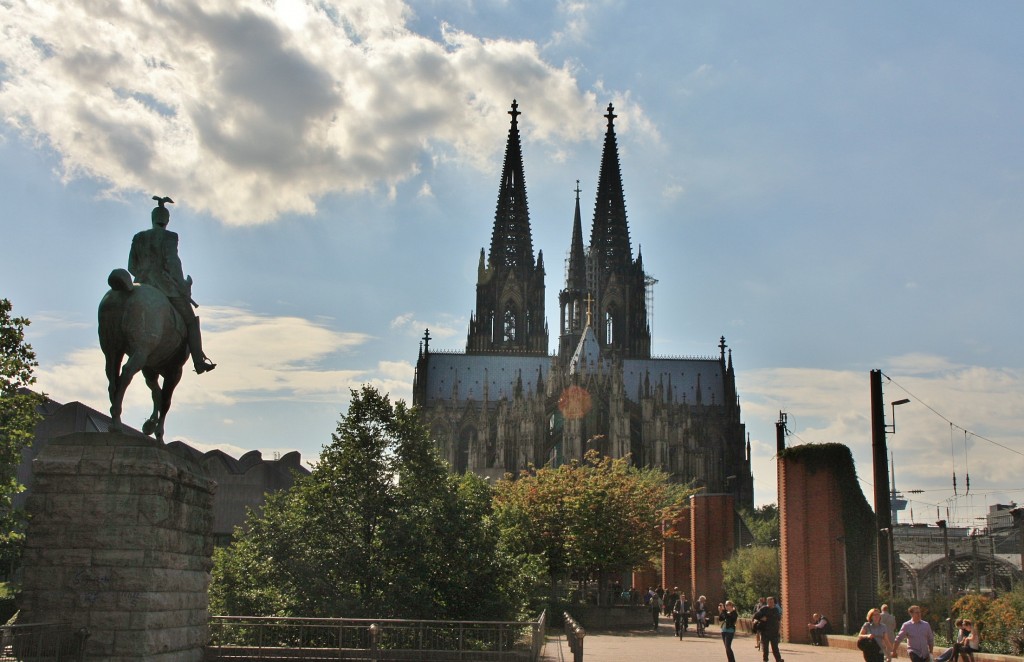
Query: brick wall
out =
(712, 535)
(812, 547)
(676, 556)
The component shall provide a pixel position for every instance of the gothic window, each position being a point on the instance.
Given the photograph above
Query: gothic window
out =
(466, 437)
(510, 325)
(609, 327)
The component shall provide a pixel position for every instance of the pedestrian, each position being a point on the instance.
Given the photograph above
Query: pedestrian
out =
(889, 621)
(727, 616)
(655, 609)
(768, 618)
(873, 639)
(918, 635)
(753, 625)
(670, 600)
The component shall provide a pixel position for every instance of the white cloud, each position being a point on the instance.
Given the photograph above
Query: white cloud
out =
(248, 110)
(446, 326)
(259, 358)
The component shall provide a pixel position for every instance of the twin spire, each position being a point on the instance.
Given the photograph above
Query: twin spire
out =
(512, 237)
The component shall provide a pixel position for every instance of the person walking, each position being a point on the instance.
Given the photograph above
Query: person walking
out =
(889, 621)
(918, 635)
(873, 640)
(728, 617)
(655, 609)
(757, 633)
(768, 619)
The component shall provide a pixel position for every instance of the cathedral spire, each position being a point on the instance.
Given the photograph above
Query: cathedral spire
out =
(609, 237)
(511, 239)
(576, 278)
(510, 285)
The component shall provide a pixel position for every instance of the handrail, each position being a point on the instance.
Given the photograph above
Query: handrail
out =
(574, 634)
(258, 635)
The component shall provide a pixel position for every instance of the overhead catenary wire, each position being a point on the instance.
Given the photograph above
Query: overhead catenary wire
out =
(958, 427)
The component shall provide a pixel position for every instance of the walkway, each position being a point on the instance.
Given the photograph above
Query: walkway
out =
(628, 645)
(663, 645)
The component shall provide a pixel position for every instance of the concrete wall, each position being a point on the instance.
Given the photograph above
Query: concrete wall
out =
(119, 542)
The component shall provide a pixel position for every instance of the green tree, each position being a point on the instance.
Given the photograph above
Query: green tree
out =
(751, 573)
(379, 528)
(763, 524)
(589, 517)
(18, 418)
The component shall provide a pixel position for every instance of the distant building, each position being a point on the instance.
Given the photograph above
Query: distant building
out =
(241, 484)
(979, 560)
(999, 517)
(505, 403)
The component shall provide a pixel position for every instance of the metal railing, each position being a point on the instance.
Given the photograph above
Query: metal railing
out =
(574, 634)
(279, 638)
(53, 642)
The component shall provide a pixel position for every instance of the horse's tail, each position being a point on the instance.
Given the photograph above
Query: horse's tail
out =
(120, 280)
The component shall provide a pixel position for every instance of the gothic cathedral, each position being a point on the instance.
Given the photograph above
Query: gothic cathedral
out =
(506, 403)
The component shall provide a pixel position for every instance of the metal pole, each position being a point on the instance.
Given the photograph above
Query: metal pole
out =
(945, 550)
(883, 505)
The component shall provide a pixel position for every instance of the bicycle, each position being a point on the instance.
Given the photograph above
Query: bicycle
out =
(701, 622)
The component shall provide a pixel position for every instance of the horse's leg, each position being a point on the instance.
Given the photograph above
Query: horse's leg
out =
(154, 389)
(128, 371)
(113, 369)
(171, 379)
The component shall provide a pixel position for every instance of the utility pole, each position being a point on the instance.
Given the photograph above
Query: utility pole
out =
(880, 463)
(945, 551)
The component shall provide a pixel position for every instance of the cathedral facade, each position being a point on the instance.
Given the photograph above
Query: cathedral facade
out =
(506, 403)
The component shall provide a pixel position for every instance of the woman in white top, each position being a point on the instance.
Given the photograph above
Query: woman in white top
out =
(971, 643)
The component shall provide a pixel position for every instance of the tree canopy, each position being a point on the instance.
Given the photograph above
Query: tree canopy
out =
(379, 528)
(18, 414)
(589, 517)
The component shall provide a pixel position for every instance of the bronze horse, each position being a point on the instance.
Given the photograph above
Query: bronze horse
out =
(138, 321)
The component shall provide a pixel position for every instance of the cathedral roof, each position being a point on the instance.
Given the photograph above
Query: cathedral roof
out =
(692, 381)
(463, 377)
(587, 357)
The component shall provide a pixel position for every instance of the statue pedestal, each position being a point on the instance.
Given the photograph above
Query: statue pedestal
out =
(119, 542)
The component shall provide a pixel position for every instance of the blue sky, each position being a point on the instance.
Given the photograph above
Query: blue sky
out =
(834, 187)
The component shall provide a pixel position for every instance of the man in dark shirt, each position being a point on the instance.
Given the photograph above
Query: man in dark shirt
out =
(768, 618)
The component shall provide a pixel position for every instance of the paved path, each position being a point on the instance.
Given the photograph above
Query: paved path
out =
(645, 645)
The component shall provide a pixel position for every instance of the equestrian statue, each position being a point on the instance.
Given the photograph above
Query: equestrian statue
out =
(150, 319)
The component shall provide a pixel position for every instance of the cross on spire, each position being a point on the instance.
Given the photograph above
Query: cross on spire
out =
(589, 301)
(577, 189)
(611, 115)
(515, 111)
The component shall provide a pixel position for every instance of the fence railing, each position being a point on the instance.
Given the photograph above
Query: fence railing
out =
(277, 638)
(574, 634)
(53, 642)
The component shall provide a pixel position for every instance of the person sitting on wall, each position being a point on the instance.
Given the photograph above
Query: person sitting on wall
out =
(819, 627)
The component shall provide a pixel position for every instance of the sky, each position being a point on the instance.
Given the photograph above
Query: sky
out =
(832, 187)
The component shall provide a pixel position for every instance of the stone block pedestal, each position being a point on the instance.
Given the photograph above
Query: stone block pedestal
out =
(119, 541)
